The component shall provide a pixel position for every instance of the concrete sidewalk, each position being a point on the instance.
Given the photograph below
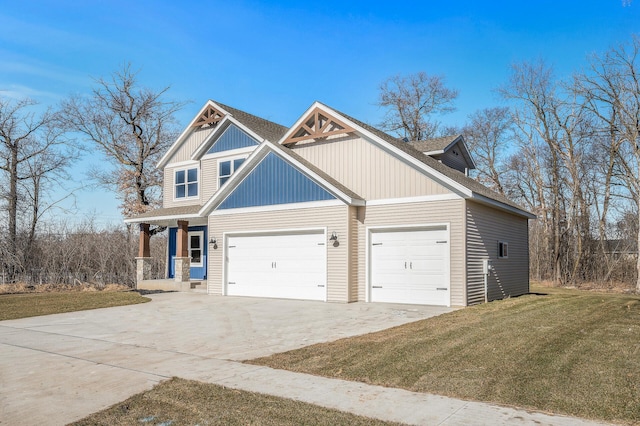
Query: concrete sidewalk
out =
(60, 368)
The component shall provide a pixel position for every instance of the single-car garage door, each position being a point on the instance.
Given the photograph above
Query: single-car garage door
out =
(410, 266)
(287, 265)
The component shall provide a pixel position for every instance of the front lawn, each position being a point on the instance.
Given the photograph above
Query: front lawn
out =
(13, 306)
(566, 351)
(185, 402)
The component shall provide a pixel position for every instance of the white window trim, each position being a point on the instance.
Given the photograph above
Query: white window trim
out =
(504, 245)
(186, 189)
(231, 159)
(202, 243)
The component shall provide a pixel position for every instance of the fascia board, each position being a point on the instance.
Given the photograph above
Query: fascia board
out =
(485, 200)
(161, 218)
(466, 152)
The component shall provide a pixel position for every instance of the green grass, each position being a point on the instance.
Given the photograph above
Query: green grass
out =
(184, 402)
(13, 306)
(570, 352)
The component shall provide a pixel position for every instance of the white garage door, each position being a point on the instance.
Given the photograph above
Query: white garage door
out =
(290, 266)
(410, 266)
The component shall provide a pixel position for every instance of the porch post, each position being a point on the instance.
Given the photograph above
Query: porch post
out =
(183, 261)
(144, 249)
(143, 261)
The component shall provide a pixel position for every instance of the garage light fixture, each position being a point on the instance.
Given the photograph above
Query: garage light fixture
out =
(334, 236)
(213, 242)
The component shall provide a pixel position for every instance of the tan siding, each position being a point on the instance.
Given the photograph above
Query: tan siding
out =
(368, 170)
(485, 227)
(451, 212)
(334, 218)
(191, 143)
(209, 178)
(354, 270)
(168, 189)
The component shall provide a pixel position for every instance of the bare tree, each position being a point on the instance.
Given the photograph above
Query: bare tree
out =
(32, 149)
(488, 133)
(412, 101)
(132, 126)
(612, 89)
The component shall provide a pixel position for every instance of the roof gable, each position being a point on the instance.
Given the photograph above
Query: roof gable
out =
(232, 138)
(214, 114)
(274, 181)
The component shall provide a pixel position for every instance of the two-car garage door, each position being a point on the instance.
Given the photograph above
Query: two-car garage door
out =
(410, 266)
(283, 265)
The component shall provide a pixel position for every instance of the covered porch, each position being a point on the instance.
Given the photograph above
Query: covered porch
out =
(187, 249)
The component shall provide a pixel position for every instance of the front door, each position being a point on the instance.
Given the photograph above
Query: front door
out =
(197, 246)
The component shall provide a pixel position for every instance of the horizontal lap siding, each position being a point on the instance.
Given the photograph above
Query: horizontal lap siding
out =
(450, 211)
(454, 161)
(368, 170)
(334, 218)
(485, 227)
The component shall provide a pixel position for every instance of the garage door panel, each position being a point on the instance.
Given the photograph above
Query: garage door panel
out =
(410, 266)
(289, 266)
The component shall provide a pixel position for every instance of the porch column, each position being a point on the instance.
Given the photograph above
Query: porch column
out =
(183, 261)
(143, 261)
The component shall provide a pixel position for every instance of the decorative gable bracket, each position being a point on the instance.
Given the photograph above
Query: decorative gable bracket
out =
(317, 125)
(210, 117)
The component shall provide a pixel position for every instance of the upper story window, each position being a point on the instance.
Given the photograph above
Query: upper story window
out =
(226, 168)
(186, 182)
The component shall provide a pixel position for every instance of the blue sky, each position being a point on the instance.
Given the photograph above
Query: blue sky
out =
(275, 58)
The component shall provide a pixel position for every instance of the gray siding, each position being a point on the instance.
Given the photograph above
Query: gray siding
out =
(423, 213)
(454, 159)
(485, 227)
(334, 218)
(368, 170)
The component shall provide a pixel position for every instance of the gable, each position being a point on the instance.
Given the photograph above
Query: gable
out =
(274, 181)
(368, 170)
(232, 138)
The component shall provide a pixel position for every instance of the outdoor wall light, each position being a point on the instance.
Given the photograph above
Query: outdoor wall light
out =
(334, 236)
(213, 242)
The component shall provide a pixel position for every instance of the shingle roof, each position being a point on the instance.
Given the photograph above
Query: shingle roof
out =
(435, 144)
(452, 174)
(265, 128)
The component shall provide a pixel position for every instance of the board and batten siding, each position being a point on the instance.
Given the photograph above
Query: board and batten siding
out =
(368, 170)
(190, 144)
(450, 212)
(485, 227)
(333, 218)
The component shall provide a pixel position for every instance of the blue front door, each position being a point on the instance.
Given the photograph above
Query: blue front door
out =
(197, 246)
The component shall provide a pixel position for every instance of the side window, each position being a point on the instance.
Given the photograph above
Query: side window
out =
(227, 168)
(503, 250)
(186, 183)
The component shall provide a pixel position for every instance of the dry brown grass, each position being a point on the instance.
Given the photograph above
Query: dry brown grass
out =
(185, 402)
(14, 306)
(560, 350)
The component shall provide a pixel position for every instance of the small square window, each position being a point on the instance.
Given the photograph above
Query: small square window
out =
(503, 250)
(186, 183)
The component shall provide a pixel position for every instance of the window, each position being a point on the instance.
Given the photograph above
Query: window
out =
(503, 250)
(226, 169)
(186, 183)
(195, 247)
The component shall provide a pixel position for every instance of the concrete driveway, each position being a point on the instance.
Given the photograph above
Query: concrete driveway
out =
(59, 368)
